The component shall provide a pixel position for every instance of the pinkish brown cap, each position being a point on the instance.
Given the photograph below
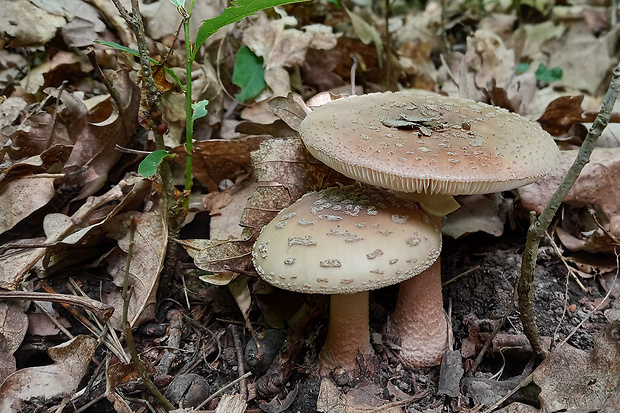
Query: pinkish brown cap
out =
(346, 240)
(422, 142)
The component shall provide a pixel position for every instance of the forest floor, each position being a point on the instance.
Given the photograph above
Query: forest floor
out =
(73, 207)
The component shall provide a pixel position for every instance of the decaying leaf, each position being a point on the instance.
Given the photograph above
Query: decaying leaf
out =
(13, 325)
(362, 398)
(576, 381)
(225, 255)
(486, 213)
(288, 162)
(71, 360)
(561, 114)
(282, 48)
(218, 159)
(28, 25)
(591, 188)
(96, 146)
(17, 196)
(150, 241)
(291, 109)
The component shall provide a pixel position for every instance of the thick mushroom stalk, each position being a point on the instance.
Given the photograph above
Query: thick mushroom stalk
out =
(419, 319)
(348, 335)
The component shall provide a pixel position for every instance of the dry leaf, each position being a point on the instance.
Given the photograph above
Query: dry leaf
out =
(21, 197)
(219, 159)
(592, 186)
(280, 47)
(28, 25)
(71, 360)
(220, 255)
(486, 213)
(150, 241)
(288, 162)
(13, 325)
(561, 114)
(291, 109)
(96, 146)
(362, 398)
(576, 381)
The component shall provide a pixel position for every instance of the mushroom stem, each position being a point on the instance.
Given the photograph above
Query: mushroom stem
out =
(348, 334)
(419, 319)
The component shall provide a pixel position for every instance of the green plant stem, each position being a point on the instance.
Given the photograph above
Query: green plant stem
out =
(189, 115)
(539, 225)
(131, 345)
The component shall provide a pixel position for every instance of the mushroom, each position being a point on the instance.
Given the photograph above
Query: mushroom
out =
(346, 241)
(427, 147)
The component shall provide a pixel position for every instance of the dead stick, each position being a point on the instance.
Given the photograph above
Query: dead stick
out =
(538, 226)
(102, 311)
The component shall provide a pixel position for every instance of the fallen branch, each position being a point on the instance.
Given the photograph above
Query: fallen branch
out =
(538, 226)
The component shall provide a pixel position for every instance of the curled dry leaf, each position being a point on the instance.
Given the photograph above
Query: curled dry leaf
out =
(282, 47)
(95, 148)
(27, 25)
(561, 114)
(71, 360)
(288, 162)
(291, 109)
(486, 213)
(220, 256)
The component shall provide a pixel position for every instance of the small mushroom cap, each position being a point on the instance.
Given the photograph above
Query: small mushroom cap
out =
(346, 240)
(422, 142)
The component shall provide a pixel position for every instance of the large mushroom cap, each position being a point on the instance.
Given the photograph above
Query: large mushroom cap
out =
(346, 240)
(422, 142)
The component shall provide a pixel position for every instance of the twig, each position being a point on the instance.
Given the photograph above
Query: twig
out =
(407, 401)
(243, 390)
(578, 326)
(131, 345)
(62, 87)
(220, 391)
(353, 69)
(568, 267)
(460, 275)
(102, 311)
(539, 225)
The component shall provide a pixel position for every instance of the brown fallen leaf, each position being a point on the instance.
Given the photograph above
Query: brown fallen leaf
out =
(28, 25)
(573, 380)
(21, 197)
(149, 249)
(591, 188)
(13, 325)
(219, 159)
(71, 360)
(561, 114)
(95, 148)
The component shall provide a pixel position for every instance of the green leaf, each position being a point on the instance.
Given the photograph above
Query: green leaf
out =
(249, 74)
(199, 109)
(238, 10)
(135, 53)
(148, 166)
(522, 68)
(544, 74)
(178, 3)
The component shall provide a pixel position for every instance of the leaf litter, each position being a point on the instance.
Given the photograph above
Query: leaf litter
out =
(67, 193)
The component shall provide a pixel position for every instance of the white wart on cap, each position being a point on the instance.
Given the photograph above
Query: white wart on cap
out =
(422, 142)
(346, 240)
